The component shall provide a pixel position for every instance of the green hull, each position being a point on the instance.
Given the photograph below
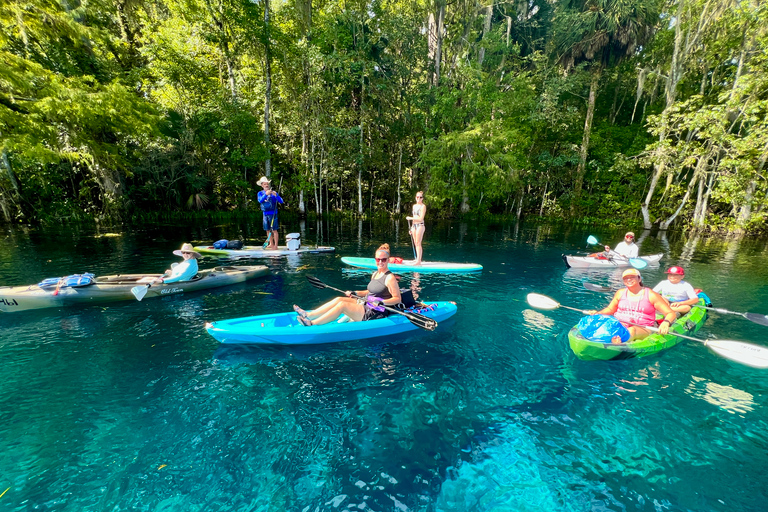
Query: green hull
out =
(653, 344)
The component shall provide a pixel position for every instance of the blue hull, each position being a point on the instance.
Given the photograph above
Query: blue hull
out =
(406, 266)
(285, 329)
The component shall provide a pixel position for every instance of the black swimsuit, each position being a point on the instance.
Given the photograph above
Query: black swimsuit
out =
(379, 288)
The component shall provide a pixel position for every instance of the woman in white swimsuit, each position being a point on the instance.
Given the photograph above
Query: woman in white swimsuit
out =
(417, 225)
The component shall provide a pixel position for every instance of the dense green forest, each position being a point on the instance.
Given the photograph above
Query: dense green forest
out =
(633, 111)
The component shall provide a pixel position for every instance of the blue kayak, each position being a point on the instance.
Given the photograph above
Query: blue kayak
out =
(285, 329)
(408, 266)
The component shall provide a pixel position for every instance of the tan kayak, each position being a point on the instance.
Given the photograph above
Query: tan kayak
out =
(116, 288)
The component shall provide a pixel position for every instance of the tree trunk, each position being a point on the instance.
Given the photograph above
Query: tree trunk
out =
(268, 85)
(439, 27)
(399, 177)
(486, 29)
(582, 167)
(464, 195)
(361, 157)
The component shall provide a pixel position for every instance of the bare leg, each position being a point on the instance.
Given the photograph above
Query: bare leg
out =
(275, 239)
(680, 309)
(328, 306)
(418, 236)
(635, 333)
(354, 311)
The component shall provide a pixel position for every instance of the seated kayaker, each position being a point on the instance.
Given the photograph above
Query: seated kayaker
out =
(626, 249)
(679, 294)
(382, 288)
(635, 306)
(183, 271)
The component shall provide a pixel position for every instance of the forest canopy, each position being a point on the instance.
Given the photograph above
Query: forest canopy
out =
(649, 111)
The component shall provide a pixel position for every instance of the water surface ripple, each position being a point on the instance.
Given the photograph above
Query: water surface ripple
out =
(134, 407)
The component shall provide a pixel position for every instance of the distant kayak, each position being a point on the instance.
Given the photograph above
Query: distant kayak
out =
(408, 266)
(591, 262)
(256, 251)
(648, 346)
(116, 288)
(285, 329)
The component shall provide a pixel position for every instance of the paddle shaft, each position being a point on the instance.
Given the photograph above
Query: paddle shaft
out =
(413, 244)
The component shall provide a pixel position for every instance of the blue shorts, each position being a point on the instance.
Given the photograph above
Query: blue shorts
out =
(270, 222)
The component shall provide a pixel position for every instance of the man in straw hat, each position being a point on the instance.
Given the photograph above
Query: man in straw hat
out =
(268, 200)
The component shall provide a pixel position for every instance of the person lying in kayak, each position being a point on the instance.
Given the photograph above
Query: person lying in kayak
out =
(183, 271)
(382, 288)
(679, 294)
(635, 306)
(626, 249)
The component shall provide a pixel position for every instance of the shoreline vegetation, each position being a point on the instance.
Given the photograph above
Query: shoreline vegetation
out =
(647, 113)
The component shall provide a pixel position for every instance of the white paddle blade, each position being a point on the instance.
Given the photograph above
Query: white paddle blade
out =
(744, 353)
(592, 240)
(539, 301)
(638, 263)
(139, 292)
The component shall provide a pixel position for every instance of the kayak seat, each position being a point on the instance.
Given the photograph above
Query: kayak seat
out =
(284, 321)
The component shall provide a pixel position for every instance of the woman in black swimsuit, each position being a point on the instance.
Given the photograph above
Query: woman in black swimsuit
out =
(383, 285)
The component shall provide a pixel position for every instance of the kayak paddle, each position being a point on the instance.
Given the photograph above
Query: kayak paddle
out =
(637, 263)
(752, 317)
(416, 319)
(140, 291)
(739, 351)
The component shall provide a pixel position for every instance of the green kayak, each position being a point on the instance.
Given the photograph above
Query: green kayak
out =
(598, 351)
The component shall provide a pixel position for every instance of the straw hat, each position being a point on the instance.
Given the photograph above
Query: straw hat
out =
(263, 180)
(187, 248)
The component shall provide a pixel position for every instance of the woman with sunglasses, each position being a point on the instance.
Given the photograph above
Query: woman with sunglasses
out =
(383, 288)
(417, 226)
(626, 249)
(635, 306)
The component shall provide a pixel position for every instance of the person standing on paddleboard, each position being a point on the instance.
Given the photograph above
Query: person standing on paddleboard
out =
(268, 200)
(417, 225)
(383, 289)
(635, 306)
(626, 249)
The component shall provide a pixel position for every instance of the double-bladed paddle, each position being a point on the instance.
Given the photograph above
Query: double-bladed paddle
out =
(739, 351)
(752, 317)
(416, 319)
(637, 263)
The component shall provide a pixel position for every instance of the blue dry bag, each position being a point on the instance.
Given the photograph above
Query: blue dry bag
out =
(602, 328)
(220, 244)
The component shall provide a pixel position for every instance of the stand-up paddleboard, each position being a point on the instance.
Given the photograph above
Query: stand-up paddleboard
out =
(253, 251)
(408, 266)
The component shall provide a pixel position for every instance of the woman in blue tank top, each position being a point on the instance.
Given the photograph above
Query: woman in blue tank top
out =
(382, 288)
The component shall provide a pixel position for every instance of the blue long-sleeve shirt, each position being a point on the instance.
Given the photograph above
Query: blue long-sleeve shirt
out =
(269, 203)
(184, 271)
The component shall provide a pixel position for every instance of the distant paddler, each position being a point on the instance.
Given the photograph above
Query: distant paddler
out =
(417, 229)
(268, 201)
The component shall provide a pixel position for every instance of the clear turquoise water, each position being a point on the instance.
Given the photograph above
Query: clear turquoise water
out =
(134, 407)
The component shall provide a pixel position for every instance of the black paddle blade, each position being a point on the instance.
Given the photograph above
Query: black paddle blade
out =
(316, 282)
(421, 321)
(757, 318)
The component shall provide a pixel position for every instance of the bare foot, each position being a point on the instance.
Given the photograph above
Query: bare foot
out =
(616, 340)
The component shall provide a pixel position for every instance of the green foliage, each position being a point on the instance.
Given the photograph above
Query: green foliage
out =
(131, 109)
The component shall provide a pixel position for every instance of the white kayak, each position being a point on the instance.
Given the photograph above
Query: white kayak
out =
(257, 251)
(408, 266)
(592, 262)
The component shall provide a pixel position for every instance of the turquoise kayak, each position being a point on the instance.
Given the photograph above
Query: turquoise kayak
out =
(408, 266)
(285, 329)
